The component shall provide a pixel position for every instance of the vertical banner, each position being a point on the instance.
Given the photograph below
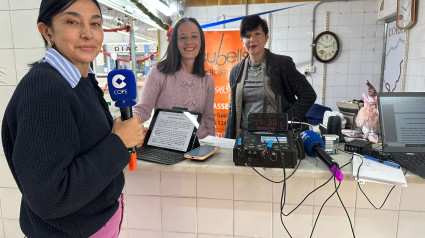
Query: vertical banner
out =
(223, 49)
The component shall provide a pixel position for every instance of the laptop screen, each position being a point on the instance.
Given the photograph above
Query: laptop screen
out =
(402, 117)
(173, 130)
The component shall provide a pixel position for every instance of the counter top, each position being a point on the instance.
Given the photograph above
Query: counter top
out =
(222, 162)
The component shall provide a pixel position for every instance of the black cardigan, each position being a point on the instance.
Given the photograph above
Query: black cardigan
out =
(297, 93)
(61, 152)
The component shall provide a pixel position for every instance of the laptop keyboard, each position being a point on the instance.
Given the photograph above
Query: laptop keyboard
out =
(159, 156)
(409, 159)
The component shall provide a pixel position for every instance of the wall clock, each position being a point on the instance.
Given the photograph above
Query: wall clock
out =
(405, 14)
(326, 47)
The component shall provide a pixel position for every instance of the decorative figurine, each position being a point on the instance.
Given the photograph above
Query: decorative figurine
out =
(368, 117)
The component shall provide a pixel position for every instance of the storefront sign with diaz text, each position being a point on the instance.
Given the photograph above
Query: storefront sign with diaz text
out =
(223, 49)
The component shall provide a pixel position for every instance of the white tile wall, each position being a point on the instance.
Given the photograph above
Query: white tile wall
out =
(4, 5)
(167, 234)
(6, 40)
(212, 236)
(253, 219)
(10, 202)
(333, 222)
(376, 223)
(23, 57)
(303, 215)
(12, 229)
(252, 188)
(142, 182)
(1, 228)
(302, 186)
(144, 233)
(1, 151)
(179, 214)
(345, 190)
(6, 178)
(178, 184)
(24, 27)
(412, 197)
(411, 224)
(215, 216)
(5, 95)
(376, 194)
(24, 4)
(7, 68)
(123, 233)
(144, 212)
(215, 186)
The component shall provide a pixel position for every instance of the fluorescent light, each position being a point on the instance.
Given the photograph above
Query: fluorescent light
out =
(162, 8)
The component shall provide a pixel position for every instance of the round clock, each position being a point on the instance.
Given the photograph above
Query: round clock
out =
(405, 14)
(326, 47)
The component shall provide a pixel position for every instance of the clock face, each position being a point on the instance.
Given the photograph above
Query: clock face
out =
(326, 47)
(405, 13)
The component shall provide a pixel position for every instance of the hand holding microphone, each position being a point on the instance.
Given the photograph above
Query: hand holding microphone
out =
(123, 90)
(129, 130)
(313, 146)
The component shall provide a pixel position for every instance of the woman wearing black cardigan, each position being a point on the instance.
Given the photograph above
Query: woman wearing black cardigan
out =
(261, 78)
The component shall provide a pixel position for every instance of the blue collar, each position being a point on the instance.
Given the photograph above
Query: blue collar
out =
(64, 66)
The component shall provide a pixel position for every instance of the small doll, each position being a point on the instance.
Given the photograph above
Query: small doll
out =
(368, 117)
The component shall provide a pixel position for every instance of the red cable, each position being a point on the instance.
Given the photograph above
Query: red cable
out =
(125, 28)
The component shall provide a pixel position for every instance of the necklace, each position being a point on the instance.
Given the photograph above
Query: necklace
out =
(256, 69)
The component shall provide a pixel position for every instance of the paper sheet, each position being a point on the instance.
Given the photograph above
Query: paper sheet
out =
(217, 141)
(372, 171)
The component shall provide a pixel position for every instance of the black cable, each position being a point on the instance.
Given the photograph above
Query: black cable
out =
(283, 161)
(282, 155)
(302, 201)
(281, 181)
(360, 187)
(321, 208)
(283, 194)
(345, 209)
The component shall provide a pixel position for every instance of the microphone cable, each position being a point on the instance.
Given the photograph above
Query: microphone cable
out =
(360, 187)
(283, 194)
(282, 157)
(283, 181)
(336, 191)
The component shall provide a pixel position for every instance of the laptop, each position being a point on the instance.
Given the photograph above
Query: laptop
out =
(402, 117)
(172, 133)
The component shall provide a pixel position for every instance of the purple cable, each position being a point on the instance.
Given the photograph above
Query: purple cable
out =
(338, 174)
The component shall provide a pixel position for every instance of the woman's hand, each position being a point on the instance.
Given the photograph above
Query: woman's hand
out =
(130, 131)
(140, 144)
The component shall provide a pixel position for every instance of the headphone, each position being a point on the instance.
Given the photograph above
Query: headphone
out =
(334, 125)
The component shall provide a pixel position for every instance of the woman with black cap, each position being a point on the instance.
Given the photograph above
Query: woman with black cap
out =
(64, 150)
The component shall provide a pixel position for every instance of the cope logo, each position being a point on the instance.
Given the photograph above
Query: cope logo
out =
(118, 83)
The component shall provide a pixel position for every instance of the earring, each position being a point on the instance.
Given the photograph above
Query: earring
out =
(50, 44)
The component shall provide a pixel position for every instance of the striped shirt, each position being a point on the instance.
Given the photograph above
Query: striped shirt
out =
(63, 66)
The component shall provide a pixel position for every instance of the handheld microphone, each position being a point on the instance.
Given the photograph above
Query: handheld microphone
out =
(313, 146)
(123, 90)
